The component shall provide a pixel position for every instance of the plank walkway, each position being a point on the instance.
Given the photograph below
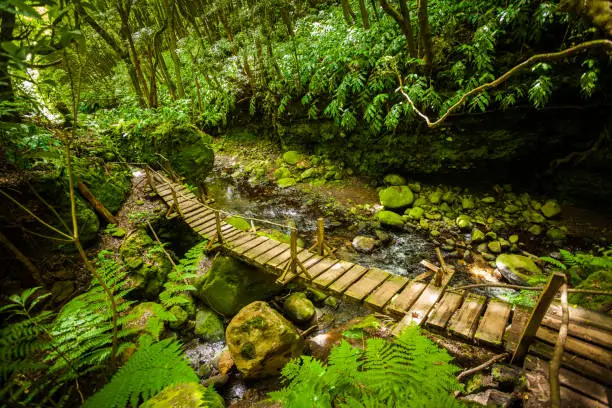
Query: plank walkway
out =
(587, 363)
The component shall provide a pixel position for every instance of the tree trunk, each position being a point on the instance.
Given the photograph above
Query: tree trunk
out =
(126, 32)
(172, 45)
(7, 25)
(375, 8)
(403, 20)
(364, 14)
(425, 35)
(349, 15)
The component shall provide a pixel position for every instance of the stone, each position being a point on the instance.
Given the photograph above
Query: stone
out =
(416, 187)
(435, 197)
(415, 213)
(394, 180)
(331, 302)
(434, 233)
(491, 398)
(238, 222)
(420, 202)
(310, 173)
(396, 197)
(390, 219)
(467, 203)
(482, 247)
(226, 362)
(292, 157)
(464, 222)
(449, 197)
(495, 247)
(513, 239)
(364, 244)
(281, 173)
(535, 229)
(511, 209)
(506, 375)
(536, 217)
(382, 236)
(262, 341)
(480, 382)
(298, 308)
(62, 290)
(538, 390)
(517, 269)
(556, 234)
(433, 215)
(147, 318)
(316, 296)
(231, 284)
(208, 326)
(477, 236)
(551, 209)
(188, 395)
(286, 182)
(488, 200)
(424, 224)
(180, 315)
(445, 208)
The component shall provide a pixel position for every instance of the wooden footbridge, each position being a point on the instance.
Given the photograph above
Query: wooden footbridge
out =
(527, 336)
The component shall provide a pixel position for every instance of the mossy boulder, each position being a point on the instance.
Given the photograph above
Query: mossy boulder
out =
(230, 284)
(396, 197)
(600, 280)
(390, 219)
(394, 180)
(415, 213)
(180, 315)
(310, 173)
(292, 157)
(467, 203)
(477, 236)
(147, 263)
(517, 269)
(208, 326)
(464, 222)
(189, 151)
(262, 341)
(298, 308)
(551, 209)
(188, 395)
(149, 318)
(62, 290)
(556, 234)
(286, 182)
(110, 183)
(238, 222)
(436, 197)
(281, 173)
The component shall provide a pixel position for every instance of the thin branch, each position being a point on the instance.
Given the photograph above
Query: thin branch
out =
(482, 366)
(49, 206)
(161, 245)
(527, 63)
(555, 363)
(535, 288)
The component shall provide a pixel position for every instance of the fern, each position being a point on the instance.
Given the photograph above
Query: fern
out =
(151, 368)
(554, 262)
(412, 371)
(177, 286)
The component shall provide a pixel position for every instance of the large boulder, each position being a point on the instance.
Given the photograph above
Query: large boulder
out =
(390, 219)
(188, 395)
(517, 269)
(230, 285)
(395, 197)
(262, 341)
(208, 326)
(298, 308)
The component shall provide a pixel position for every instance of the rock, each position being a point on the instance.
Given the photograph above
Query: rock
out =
(180, 315)
(238, 222)
(316, 296)
(551, 209)
(477, 236)
(480, 382)
(364, 244)
(464, 222)
(555, 234)
(416, 187)
(424, 224)
(513, 239)
(147, 318)
(491, 235)
(415, 213)
(298, 308)
(535, 229)
(488, 200)
(517, 269)
(230, 284)
(433, 215)
(331, 302)
(396, 197)
(491, 398)
(507, 375)
(420, 202)
(262, 341)
(394, 180)
(382, 236)
(434, 233)
(292, 157)
(281, 173)
(208, 326)
(435, 197)
(482, 247)
(511, 209)
(390, 219)
(449, 197)
(488, 256)
(62, 290)
(226, 362)
(600, 280)
(309, 173)
(467, 203)
(64, 274)
(536, 217)
(188, 395)
(538, 390)
(445, 208)
(286, 182)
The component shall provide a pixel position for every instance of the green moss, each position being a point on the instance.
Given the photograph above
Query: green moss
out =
(208, 326)
(396, 197)
(390, 219)
(394, 180)
(292, 157)
(238, 222)
(286, 182)
(281, 173)
(189, 395)
(600, 280)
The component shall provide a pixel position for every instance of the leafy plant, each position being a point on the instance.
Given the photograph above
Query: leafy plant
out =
(412, 371)
(178, 284)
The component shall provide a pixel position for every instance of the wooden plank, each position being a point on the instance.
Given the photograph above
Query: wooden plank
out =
(237, 240)
(261, 249)
(230, 233)
(399, 304)
(575, 363)
(342, 283)
(195, 214)
(366, 284)
(588, 333)
(211, 230)
(333, 273)
(493, 324)
(542, 305)
(444, 310)
(320, 266)
(582, 317)
(464, 322)
(423, 305)
(262, 259)
(304, 256)
(384, 293)
(573, 399)
(203, 221)
(570, 379)
(254, 243)
(520, 316)
(579, 347)
(279, 260)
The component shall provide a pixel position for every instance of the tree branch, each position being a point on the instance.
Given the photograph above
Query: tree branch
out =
(555, 363)
(527, 63)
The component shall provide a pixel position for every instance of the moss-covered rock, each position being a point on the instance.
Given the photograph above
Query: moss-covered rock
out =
(281, 173)
(551, 209)
(464, 222)
(292, 157)
(188, 395)
(390, 219)
(517, 269)
(364, 244)
(298, 308)
(600, 280)
(396, 197)
(310, 173)
(286, 182)
(556, 234)
(208, 326)
(495, 247)
(477, 236)
(180, 315)
(190, 152)
(394, 180)
(262, 341)
(238, 222)
(436, 197)
(230, 284)
(62, 290)
(415, 213)
(149, 318)
(467, 203)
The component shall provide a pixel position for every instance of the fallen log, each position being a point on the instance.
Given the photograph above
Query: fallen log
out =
(97, 204)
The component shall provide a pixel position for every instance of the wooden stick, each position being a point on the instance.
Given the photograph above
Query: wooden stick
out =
(176, 203)
(161, 245)
(442, 270)
(294, 259)
(218, 224)
(97, 204)
(482, 366)
(535, 288)
(320, 235)
(555, 363)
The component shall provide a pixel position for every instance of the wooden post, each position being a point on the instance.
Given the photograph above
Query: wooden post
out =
(440, 272)
(176, 203)
(218, 223)
(294, 259)
(540, 309)
(149, 180)
(320, 236)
